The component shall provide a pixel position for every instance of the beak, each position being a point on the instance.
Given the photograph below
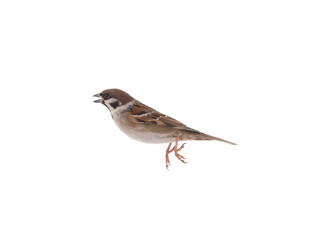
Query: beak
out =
(98, 100)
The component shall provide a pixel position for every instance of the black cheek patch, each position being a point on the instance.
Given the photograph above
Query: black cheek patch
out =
(115, 104)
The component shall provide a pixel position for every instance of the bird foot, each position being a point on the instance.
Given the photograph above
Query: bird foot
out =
(176, 150)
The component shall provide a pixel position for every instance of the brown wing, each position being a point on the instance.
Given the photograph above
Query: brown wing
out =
(143, 114)
(146, 115)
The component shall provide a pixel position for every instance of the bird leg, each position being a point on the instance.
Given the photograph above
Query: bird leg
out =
(176, 150)
(168, 151)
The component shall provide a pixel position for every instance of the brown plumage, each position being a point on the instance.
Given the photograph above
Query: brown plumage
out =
(145, 124)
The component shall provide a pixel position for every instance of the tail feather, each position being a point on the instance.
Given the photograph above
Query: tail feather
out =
(192, 134)
(201, 136)
(218, 139)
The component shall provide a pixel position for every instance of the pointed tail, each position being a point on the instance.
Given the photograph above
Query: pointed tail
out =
(203, 136)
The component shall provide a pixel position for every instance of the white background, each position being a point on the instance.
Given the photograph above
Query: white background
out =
(245, 71)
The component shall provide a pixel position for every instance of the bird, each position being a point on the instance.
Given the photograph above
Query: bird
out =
(147, 125)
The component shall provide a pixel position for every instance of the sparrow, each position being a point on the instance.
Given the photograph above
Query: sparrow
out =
(145, 124)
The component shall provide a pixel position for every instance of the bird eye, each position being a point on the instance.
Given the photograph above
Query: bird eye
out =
(105, 95)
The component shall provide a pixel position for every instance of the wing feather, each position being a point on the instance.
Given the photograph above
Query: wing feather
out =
(142, 114)
(145, 115)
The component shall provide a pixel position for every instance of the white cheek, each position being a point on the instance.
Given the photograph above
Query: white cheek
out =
(107, 103)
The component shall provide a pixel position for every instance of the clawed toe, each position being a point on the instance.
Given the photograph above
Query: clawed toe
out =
(176, 150)
(180, 157)
(181, 147)
(168, 164)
